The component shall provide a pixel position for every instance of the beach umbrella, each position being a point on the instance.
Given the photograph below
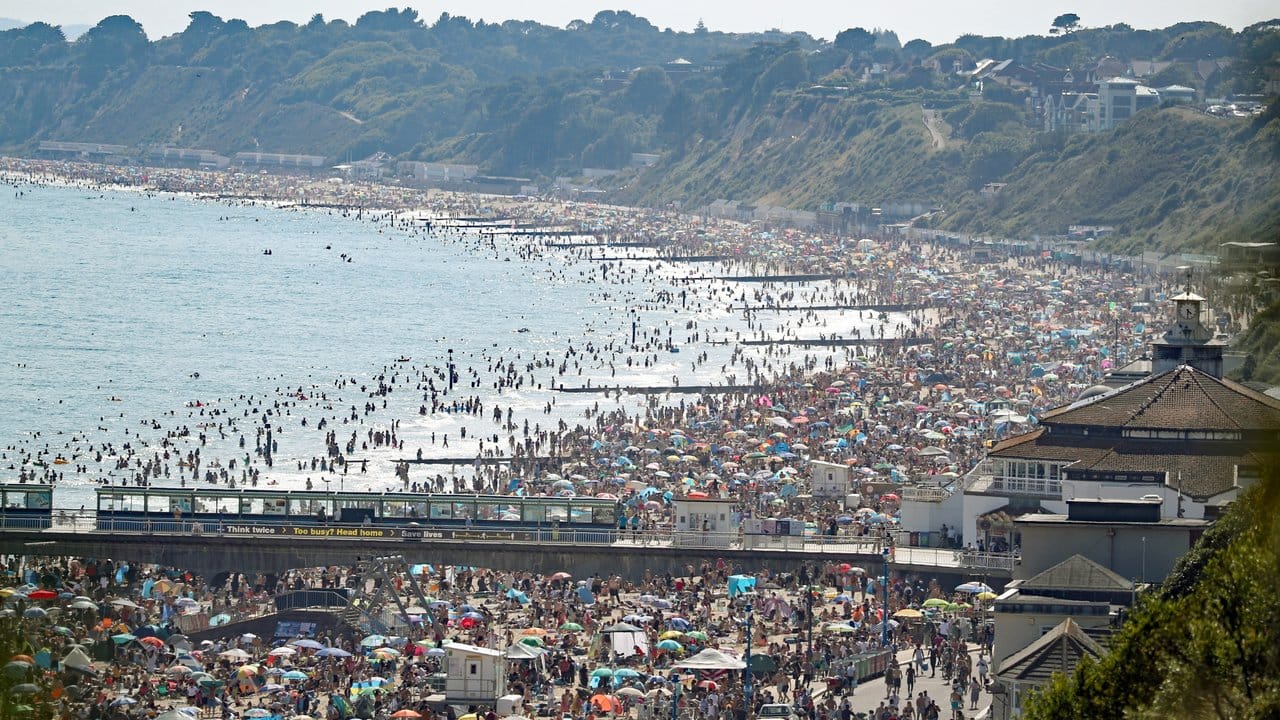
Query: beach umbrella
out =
(406, 713)
(696, 635)
(669, 646)
(294, 675)
(282, 652)
(83, 605)
(986, 596)
(908, 613)
(602, 672)
(658, 692)
(333, 652)
(625, 673)
(628, 692)
(34, 613)
(570, 627)
(306, 643)
(973, 588)
(935, 602)
(123, 638)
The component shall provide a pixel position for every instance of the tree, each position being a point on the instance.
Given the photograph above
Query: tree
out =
(1201, 646)
(855, 40)
(204, 27)
(1065, 23)
(389, 20)
(649, 91)
(917, 48)
(115, 41)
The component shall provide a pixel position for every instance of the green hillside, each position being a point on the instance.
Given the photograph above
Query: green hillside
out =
(761, 118)
(1174, 178)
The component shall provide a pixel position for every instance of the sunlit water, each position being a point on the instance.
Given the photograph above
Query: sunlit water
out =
(111, 303)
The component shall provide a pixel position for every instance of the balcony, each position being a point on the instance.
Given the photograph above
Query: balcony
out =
(1017, 487)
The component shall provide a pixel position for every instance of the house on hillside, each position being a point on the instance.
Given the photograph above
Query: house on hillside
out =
(1119, 99)
(1142, 69)
(1106, 68)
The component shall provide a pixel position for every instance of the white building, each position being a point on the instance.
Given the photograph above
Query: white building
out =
(1183, 435)
(705, 522)
(830, 480)
(474, 674)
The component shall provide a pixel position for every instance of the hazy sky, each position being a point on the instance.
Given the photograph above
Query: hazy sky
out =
(937, 21)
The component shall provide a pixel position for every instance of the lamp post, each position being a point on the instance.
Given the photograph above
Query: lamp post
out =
(808, 619)
(884, 620)
(746, 677)
(675, 698)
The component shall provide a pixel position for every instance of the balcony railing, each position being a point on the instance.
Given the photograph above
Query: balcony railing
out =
(1024, 486)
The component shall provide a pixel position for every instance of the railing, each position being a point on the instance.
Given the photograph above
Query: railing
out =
(310, 598)
(25, 522)
(921, 494)
(86, 522)
(986, 560)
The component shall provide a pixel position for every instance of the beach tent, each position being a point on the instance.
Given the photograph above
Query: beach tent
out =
(521, 651)
(739, 584)
(711, 659)
(78, 660)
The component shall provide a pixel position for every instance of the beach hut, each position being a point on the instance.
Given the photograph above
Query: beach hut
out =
(705, 522)
(474, 674)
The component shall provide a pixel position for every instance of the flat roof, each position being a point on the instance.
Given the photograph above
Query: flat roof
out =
(1174, 523)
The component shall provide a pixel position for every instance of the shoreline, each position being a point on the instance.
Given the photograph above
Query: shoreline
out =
(775, 370)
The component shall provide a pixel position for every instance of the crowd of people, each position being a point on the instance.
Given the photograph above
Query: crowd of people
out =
(918, 356)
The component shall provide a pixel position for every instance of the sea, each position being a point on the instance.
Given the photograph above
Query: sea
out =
(127, 315)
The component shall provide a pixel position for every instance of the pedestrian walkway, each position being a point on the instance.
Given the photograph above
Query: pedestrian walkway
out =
(871, 694)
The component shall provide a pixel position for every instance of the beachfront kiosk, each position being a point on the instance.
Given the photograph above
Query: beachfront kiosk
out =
(705, 522)
(773, 534)
(474, 674)
(830, 480)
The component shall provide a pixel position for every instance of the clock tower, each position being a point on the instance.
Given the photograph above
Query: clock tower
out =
(1188, 341)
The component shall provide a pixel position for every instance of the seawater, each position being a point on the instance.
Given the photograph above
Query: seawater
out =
(119, 309)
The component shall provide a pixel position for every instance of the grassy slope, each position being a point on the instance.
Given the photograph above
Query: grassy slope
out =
(1174, 178)
(1262, 342)
(802, 153)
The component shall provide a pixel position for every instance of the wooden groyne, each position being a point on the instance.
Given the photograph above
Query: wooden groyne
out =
(769, 278)
(474, 460)
(890, 307)
(832, 342)
(662, 389)
(605, 243)
(671, 258)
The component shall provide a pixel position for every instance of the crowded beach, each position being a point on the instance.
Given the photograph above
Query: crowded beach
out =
(945, 355)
